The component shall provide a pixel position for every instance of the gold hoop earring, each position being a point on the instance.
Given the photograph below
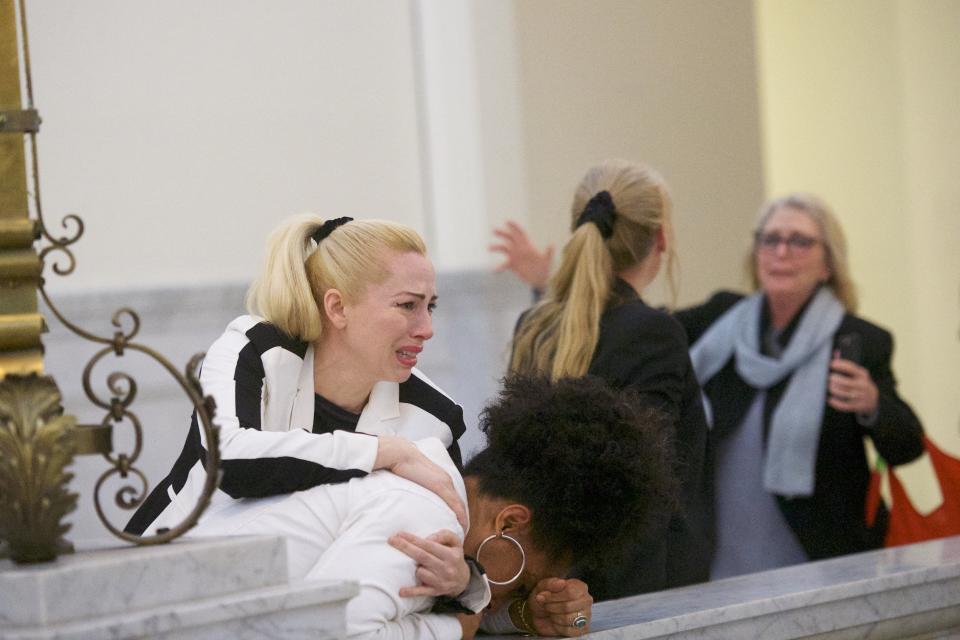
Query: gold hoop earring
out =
(523, 557)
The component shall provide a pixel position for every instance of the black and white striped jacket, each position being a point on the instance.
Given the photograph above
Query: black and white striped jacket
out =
(262, 382)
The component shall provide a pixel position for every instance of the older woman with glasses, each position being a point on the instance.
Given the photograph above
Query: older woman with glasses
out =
(794, 381)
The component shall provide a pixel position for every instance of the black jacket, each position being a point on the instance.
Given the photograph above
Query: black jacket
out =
(646, 350)
(831, 522)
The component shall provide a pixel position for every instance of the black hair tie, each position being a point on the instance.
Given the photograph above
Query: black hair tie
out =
(327, 228)
(601, 212)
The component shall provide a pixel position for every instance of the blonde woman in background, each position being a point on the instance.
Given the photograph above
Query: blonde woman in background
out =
(593, 320)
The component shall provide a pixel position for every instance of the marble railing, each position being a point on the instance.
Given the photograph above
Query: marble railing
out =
(205, 589)
(910, 592)
(237, 588)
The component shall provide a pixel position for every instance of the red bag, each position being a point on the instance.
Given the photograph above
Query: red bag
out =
(906, 524)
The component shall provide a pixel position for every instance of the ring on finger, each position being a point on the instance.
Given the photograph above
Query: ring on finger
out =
(580, 620)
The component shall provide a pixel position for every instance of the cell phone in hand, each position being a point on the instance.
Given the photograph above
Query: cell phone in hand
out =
(850, 346)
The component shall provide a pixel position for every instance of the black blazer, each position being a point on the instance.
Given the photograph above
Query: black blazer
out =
(646, 350)
(831, 522)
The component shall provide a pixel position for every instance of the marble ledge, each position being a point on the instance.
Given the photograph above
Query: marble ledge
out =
(898, 593)
(201, 589)
(112, 579)
(314, 610)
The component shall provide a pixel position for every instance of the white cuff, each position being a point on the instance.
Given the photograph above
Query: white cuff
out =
(498, 622)
(476, 596)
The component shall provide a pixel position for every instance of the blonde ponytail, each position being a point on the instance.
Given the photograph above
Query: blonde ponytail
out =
(281, 293)
(559, 336)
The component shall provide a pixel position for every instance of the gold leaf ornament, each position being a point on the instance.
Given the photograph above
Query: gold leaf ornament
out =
(36, 446)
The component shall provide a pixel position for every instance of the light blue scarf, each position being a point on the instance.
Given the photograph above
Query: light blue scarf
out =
(791, 451)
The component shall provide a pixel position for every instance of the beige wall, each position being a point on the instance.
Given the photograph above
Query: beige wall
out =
(183, 131)
(859, 104)
(670, 83)
(929, 35)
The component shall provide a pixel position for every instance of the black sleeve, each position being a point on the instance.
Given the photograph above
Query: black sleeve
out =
(663, 375)
(455, 455)
(647, 353)
(653, 362)
(897, 433)
(649, 357)
(697, 319)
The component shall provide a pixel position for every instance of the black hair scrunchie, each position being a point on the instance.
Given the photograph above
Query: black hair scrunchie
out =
(601, 212)
(327, 228)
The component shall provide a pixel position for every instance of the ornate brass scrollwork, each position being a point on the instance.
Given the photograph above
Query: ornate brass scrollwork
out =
(123, 391)
(37, 441)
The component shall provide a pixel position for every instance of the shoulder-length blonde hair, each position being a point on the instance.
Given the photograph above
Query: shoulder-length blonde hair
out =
(557, 338)
(297, 272)
(834, 243)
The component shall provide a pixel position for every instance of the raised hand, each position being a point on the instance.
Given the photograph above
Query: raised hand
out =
(523, 258)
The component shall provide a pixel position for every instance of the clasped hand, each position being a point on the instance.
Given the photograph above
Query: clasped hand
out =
(851, 388)
(555, 603)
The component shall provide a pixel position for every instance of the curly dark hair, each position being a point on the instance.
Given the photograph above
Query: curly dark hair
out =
(593, 464)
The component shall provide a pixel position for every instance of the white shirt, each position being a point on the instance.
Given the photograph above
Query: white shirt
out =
(340, 532)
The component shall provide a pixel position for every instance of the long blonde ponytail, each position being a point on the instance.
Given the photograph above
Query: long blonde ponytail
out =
(559, 336)
(281, 292)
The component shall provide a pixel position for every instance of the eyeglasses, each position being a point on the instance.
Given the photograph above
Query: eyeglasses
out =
(795, 241)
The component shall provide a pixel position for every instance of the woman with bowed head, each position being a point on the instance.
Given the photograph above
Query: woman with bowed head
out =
(794, 381)
(572, 473)
(593, 320)
(319, 385)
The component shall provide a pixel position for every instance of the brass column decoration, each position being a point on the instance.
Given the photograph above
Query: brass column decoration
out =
(36, 444)
(37, 441)
(20, 322)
